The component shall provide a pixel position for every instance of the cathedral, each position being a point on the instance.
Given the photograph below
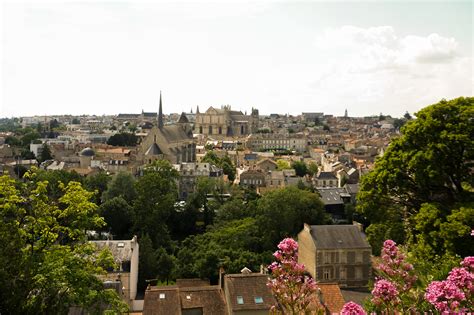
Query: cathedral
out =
(173, 142)
(225, 122)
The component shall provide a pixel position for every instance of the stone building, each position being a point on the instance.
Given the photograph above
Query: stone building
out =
(173, 142)
(335, 254)
(225, 122)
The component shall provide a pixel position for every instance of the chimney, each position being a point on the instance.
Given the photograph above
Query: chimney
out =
(221, 277)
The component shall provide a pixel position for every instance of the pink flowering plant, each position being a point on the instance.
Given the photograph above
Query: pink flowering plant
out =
(456, 293)
(394, 281)
(292, 289)
(351, 308)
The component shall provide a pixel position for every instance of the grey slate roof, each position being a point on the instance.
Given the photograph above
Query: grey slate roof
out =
(331, 196)
(154, 149)
(121, 250)
(338, 237)
(183, 119)
(326, 175)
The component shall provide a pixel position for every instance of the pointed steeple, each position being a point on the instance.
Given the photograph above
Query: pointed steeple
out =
(197, 109)
(160, 114)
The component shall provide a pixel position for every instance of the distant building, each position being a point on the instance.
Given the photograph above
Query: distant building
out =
(174, 142)
(325, 179)
(335, 254)
(225, 122)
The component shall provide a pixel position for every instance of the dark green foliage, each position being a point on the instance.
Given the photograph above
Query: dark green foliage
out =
(427, 164)
(45, 154)
(281, 213)
(13, 141)
(26, 154)
(156, 196)
(97, 183)
(117, 214)
(121, 185)
(148, 269)
(123, 139)
(300, 168)
(165, 265)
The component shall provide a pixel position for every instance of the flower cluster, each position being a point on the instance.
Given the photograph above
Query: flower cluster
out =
(351, 308)
(444, 295)
(394, 267)
(291, 288)
(385, 292)
(456, 292)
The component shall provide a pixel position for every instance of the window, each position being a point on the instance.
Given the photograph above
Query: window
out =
(162, 296)
(240, 300)
(358, 273)
(326, 274)
(327, 258)
(358, 257)
(258, 300)
(342, 273)
(242, 130)
(210, 130)
(220, 130)
(200, 129)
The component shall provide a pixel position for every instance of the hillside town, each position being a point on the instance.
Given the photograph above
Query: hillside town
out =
(208, 161)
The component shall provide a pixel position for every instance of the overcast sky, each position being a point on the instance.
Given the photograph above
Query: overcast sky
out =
(110, 57)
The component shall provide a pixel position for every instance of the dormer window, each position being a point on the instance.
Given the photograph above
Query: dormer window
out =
(240, 300)
(258, 300)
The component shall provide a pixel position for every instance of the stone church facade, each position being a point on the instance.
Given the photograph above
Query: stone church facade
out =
(173, 142)
(224, 122)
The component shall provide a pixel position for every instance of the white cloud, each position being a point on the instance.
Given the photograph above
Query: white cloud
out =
(377, 68)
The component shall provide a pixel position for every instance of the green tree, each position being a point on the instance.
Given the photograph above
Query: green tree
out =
(312, 168)
(428, 163)
(98, 183)
(300, 168)
(45, 154)
(156, 196)
(47, 264)
(282, 212)
(117, 214)
(165, 265)
(147, 261)
(121, 185)
(123, 139)
(55, 180)
(283, 165)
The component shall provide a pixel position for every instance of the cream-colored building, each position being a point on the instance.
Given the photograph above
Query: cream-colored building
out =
(225, 122)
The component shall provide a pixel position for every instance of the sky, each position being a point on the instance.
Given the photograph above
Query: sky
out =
(110, 57)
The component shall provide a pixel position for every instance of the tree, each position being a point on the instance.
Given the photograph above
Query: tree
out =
(428, 163)
(312, 168)
(98, 183)
(300, 168)
(156, 196)
(282, 213)
(121, 185)
(117, 214)
(47, 264)
(225, 163)
(147, 261)
(75, 121)
(45, 154)
(283, 165)
(165, 265)
(123, 139)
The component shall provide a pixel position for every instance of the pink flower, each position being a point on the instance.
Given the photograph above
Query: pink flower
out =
(444, 295)
(468, 263)
(384, 292)
(462, 278)
(351, 308)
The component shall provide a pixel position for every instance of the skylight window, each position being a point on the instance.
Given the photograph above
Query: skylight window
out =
(258, 300)
(162, 296)
(240, 300)
(121, 244)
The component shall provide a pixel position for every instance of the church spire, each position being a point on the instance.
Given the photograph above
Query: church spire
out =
(160, 114)
(197, 109)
